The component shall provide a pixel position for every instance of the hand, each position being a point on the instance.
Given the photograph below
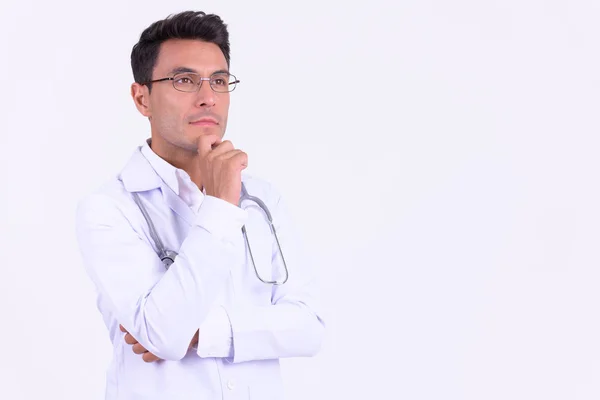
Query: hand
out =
(221, 168)
(146, 355)
(138, 348)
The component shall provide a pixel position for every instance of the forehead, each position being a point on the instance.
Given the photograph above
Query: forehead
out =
(202, 57)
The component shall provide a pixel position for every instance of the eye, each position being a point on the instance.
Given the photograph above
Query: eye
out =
(186, 80)
(220, 80)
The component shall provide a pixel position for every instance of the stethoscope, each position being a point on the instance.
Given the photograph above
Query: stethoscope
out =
(168, 256)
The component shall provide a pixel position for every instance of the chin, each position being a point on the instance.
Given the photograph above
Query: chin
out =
(198, 131)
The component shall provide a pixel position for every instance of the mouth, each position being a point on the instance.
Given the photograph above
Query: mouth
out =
(204, 122)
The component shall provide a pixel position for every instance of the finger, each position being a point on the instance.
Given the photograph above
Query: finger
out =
(240, 159)
(130, 339)
(222, 148)
(149, 357)
(139, 349)
(206, 142)
(229, 154)
(122, 328)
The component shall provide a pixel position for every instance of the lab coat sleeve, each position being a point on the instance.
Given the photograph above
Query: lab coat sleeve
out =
(161, 308)
(216, 337)
(293, 325)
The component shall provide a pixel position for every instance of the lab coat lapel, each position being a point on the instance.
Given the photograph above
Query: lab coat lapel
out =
(177, 204)
(139, 176)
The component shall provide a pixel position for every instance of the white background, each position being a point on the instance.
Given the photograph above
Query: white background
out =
(440, 158)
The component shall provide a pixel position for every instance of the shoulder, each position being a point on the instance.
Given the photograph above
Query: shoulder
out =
(107, 203)
(111, 195)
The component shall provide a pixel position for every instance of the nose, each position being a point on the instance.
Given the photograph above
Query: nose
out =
(205, 96)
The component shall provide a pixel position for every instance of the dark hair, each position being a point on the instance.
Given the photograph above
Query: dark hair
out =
(185, 25)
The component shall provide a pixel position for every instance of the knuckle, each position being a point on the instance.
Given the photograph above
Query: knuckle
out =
(241, 157)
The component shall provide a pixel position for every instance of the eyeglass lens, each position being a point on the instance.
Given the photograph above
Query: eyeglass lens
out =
(189, 82)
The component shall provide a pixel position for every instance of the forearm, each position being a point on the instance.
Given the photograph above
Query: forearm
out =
(262, 332)
(277, 331)
(188, 288)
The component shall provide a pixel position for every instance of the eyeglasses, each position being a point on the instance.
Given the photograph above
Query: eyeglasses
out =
(220, 82)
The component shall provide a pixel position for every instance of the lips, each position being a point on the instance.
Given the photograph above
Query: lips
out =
(204, 122)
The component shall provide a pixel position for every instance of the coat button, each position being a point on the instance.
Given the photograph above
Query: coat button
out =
(230, 385)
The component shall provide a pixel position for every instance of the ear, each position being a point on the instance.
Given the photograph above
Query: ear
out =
(141, 99)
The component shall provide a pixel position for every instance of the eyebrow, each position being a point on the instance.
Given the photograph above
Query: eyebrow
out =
(179, 70)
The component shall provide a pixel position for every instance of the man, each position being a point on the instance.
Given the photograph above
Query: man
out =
(183, 269)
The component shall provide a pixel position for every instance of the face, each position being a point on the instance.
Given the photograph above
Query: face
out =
(177, 118)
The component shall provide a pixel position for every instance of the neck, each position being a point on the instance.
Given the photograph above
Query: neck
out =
(178, 157)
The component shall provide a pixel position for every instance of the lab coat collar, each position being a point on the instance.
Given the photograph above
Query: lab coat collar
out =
(167, 172)
(139, 176)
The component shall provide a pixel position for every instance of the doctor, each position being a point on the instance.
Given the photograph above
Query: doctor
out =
(212, 318)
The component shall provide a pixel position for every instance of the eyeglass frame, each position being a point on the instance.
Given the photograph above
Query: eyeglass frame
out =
(172, 78)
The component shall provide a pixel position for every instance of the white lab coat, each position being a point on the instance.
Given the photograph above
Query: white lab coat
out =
(162, 308)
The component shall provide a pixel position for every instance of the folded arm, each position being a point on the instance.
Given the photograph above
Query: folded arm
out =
(147, 300)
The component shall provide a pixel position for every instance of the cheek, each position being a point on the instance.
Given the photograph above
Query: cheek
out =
(223, 108)
(170, 112)
(165, 122)
(225, 102)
